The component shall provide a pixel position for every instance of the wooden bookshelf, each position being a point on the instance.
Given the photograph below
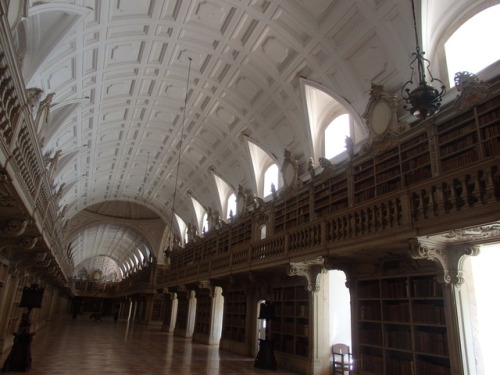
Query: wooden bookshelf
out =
(223, 241)
(416, 159)
(290, 329)
(203, 312)
(158, 310)
(292, 211)
(458, 141)
(401, 326)
(242, 231)
(182, 311)
(488, 119)
(235, 312)
(331, 194)
(16, 312)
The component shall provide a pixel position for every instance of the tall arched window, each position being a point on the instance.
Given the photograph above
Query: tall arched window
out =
(331, 119)
(271, 177)
(204, 228)
(335, 136)
(472, 47)
(231, 206)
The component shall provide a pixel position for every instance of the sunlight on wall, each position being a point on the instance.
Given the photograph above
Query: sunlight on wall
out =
(340, 309)
(468, 50)
(484, 269)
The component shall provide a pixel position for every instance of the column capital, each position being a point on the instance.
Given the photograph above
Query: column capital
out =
(310, 269)
(449, 256)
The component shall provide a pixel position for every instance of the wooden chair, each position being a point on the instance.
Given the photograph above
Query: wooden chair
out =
(342, 359)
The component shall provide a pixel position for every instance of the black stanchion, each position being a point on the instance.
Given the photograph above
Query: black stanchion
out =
(265, 357)
(19, 358)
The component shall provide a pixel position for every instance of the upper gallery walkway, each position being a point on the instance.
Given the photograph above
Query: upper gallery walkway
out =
(84, 346)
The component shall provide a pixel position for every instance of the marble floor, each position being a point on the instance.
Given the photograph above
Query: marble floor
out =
(86, 347)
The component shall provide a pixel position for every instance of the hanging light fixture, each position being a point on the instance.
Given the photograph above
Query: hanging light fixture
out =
(171, 239)
(424, 99)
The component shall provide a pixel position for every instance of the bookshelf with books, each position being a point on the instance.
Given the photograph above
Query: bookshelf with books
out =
(387, 171)
(4, 274)
(158, 310)
(331, 194)
(203, 312)
(235, 313)
(290, 328)
(364, 181)
(16, 311)
(488, 118)
(378, 175)
(182, 311)
(292, 211)
(458, 141)
(242, 231)
(401, 326)
(416, 159)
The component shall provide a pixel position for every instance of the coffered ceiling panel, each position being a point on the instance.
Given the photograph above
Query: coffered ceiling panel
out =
(124, 110)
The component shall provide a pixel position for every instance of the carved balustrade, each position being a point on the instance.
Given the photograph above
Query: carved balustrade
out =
(448, 196)
(21, 152)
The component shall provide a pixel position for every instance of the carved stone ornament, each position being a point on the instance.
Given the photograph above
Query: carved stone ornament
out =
(309, 269)
(14, 228)
(380, 113)
(28, 242)
(289, 171)
(450, 257)
(381, 119)
(241, 201)
(481, 233)
(471, 90)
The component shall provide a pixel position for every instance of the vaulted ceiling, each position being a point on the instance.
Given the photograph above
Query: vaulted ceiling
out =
(119, 72)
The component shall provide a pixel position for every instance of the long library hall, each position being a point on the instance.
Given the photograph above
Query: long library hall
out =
(83, 346)
(249, 186)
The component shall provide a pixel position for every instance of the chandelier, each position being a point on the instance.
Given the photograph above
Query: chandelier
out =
(424, 100)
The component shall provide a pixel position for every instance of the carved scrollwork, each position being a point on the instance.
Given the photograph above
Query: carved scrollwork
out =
(6, 200)
(309, 269)
(40, 256)
(14, 228)
(449, 257)
(28, 242)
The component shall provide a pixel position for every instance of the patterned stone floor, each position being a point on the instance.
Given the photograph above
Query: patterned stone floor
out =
(86, 347)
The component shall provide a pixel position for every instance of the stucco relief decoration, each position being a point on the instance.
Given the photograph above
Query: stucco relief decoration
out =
(28, 242)
(6, 200)
(309, 269)
(450, 258)
(471, 90)
(40, 256)
(381, 119)
(289, 171)
(14, 228)
(489, 232)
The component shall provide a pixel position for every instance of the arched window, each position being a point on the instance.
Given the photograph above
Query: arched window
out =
(471, 48)
(263, 232)
(263, 164)
(204, 221)
(231, 206)
(335, 136)
(271, 177)
(331, 119)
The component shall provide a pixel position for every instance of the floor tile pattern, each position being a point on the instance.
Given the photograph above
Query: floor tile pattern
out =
(85, 347)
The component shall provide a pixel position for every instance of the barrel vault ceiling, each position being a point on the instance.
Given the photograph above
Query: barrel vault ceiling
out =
(118, 73)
